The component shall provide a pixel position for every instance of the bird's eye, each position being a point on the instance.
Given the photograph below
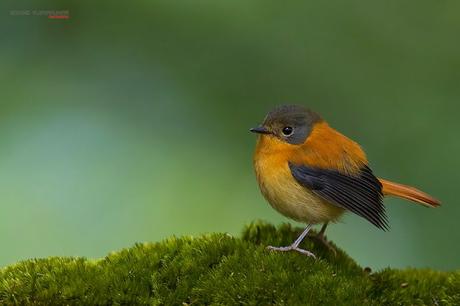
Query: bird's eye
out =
(287, 130)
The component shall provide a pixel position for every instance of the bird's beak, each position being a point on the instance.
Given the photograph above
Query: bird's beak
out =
(260, 130)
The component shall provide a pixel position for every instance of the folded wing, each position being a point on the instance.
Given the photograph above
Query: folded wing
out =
(360, 193)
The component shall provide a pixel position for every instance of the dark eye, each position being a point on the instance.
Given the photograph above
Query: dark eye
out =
(287, 130)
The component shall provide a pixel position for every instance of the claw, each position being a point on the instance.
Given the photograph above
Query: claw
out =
(305, 252)
(291, 248)
(280, 249)
(295, 245)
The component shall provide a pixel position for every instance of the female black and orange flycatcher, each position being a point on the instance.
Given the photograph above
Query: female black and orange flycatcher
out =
(311, 173)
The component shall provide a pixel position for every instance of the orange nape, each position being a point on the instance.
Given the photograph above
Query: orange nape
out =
(408, 193)
(326, 148)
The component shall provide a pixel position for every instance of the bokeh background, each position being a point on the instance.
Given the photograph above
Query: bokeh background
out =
(129, 121)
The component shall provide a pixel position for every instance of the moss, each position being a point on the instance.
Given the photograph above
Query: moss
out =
(222, 270)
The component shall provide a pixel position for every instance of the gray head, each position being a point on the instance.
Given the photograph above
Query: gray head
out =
(289, 123)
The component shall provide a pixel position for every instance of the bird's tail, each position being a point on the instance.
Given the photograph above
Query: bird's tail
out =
(408, 193)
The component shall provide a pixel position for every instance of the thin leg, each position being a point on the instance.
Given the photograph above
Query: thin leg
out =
(323, 229)
(302, 236)
(295, 245)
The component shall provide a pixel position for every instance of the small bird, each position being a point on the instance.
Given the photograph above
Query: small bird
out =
(311, 173)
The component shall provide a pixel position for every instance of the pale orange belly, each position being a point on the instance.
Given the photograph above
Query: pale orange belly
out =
(288, 197)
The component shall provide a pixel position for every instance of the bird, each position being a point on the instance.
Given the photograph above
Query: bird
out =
(313, 174)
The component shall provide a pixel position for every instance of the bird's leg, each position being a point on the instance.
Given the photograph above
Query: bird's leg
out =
(322, 230)
(322, 238)
(295, 245)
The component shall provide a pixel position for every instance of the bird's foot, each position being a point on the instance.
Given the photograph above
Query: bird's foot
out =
(291, 248)
(323, 240)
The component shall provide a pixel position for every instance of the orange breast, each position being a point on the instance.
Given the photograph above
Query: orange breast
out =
(280, 188)
(324, 148)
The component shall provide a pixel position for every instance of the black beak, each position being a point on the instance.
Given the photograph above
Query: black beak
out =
(260, 130)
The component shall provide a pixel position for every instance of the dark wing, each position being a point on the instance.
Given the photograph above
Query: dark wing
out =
(360, 194)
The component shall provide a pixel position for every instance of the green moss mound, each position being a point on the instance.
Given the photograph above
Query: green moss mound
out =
(219, 269)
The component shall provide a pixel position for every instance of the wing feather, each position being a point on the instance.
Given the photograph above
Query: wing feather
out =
(360, 193)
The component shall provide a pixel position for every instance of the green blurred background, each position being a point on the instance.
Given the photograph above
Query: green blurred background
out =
(129, 122)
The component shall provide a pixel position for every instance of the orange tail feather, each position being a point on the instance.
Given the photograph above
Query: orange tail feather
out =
(408, 193)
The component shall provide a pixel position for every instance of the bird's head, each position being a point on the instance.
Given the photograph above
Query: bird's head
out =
(289, 123)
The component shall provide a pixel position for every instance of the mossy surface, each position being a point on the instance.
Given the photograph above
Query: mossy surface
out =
(219, 269)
